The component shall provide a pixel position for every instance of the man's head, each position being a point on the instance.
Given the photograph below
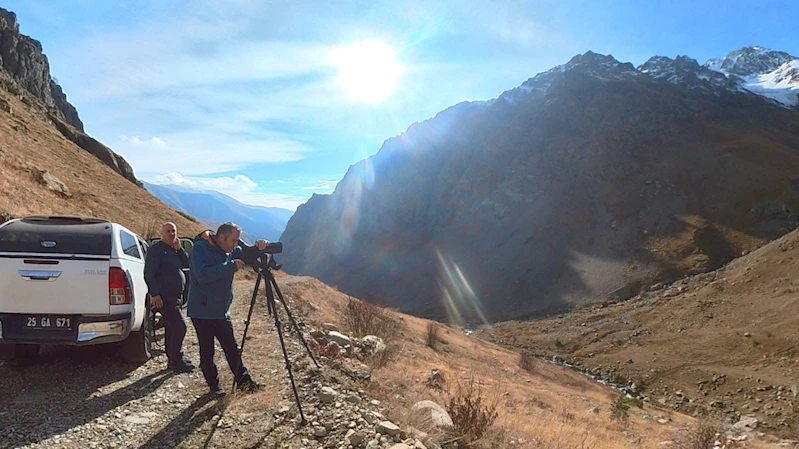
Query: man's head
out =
(227, 236)
(169, 233)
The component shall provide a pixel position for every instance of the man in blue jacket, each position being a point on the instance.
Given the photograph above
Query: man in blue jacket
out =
(213, 262)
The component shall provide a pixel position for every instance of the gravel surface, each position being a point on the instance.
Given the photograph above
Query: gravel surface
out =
(86, 398)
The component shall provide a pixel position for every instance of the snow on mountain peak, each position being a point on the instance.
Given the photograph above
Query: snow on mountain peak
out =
(772, 74)
(756, 70)
(686, 72)
(749, 61)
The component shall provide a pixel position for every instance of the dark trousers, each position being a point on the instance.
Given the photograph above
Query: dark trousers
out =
(222, 330)
(174, 329)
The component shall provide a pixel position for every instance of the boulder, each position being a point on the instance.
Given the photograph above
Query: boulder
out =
(340, 338)
(431, 412)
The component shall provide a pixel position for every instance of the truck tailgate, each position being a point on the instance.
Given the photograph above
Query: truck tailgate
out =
(53, 285)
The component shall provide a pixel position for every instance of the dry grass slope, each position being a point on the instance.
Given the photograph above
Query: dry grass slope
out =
(544, 406)
(723, 341)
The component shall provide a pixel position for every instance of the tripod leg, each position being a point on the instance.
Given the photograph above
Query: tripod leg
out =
(246, 328)
(270, 298)
(271, 282)
(270, 307)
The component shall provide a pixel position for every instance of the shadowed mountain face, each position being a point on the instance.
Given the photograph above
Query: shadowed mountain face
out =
(583, 183)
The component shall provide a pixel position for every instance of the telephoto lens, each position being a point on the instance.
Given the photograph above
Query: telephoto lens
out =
(256, 258)
(274, 248)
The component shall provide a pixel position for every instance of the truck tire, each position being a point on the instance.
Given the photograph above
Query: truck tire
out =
(137, 348)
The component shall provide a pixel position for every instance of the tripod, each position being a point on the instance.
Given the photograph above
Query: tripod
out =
(264, 267)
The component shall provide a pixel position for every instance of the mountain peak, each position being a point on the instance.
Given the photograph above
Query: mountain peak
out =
(687, 72)
(10, 19)
(601, 66)
(595, 65)
(749, 61)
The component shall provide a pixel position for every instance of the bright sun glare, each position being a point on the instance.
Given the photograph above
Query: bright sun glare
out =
(368, 70)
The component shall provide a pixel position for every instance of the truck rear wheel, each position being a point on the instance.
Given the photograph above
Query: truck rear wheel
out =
(137, 348)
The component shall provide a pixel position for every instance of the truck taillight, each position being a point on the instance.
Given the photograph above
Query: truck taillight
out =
(118, 287)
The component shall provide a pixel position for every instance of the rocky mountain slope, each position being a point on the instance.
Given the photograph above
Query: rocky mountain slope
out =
(723, 341)
(585, 182)
(26, 76)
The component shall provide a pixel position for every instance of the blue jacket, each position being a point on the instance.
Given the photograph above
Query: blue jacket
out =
(211, 279)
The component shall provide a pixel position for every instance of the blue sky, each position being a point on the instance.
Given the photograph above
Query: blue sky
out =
(246, 96)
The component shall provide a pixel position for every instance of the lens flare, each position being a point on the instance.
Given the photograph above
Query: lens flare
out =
(458, 296)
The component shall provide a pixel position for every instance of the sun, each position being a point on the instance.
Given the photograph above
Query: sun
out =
(368, 70)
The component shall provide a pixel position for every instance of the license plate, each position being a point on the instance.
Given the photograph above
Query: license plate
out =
(48, 322)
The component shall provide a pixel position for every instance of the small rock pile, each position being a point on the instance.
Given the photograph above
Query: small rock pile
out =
(341, 417)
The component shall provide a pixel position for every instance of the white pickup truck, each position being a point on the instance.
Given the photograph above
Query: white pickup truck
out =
(72, 281)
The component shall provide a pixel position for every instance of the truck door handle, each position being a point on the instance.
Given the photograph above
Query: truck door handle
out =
(39, 275)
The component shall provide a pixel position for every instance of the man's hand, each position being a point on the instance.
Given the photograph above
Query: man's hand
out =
(176, 245)
(157, 302)
(239, 264)
(261, 244)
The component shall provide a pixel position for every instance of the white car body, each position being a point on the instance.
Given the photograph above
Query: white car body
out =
(72, 281)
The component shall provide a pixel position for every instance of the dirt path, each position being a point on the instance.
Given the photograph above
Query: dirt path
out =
(85, 397)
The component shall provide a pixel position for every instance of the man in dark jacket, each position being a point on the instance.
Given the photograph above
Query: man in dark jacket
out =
(213, 261)
(163, 272)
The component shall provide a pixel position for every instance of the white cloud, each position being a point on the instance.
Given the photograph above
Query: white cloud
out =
(158, 142)
(136, 140)
(320, 185)
(212, 150)
(238, 183)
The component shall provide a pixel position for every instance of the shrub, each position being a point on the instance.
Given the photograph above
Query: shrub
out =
(701, 436)
(433, 334)
(363, 318)
(472, 413)
(619, 410)
(527, 362)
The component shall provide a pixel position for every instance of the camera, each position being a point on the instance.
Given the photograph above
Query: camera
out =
(256, 258)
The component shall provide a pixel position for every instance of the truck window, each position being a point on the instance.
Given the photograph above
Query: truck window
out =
(56, 237)
(129, 245)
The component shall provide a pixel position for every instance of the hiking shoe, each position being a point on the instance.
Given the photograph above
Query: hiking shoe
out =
(216, 391)
(183, 366)
(249, 386)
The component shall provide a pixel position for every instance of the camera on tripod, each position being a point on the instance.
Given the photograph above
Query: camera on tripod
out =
(263, 262)
(261, 259)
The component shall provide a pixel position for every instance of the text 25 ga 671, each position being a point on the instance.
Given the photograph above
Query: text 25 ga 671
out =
(48, 322)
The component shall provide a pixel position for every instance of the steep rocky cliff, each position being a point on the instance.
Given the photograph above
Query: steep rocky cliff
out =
(23, 58)
(583, 183)
(25, 73)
